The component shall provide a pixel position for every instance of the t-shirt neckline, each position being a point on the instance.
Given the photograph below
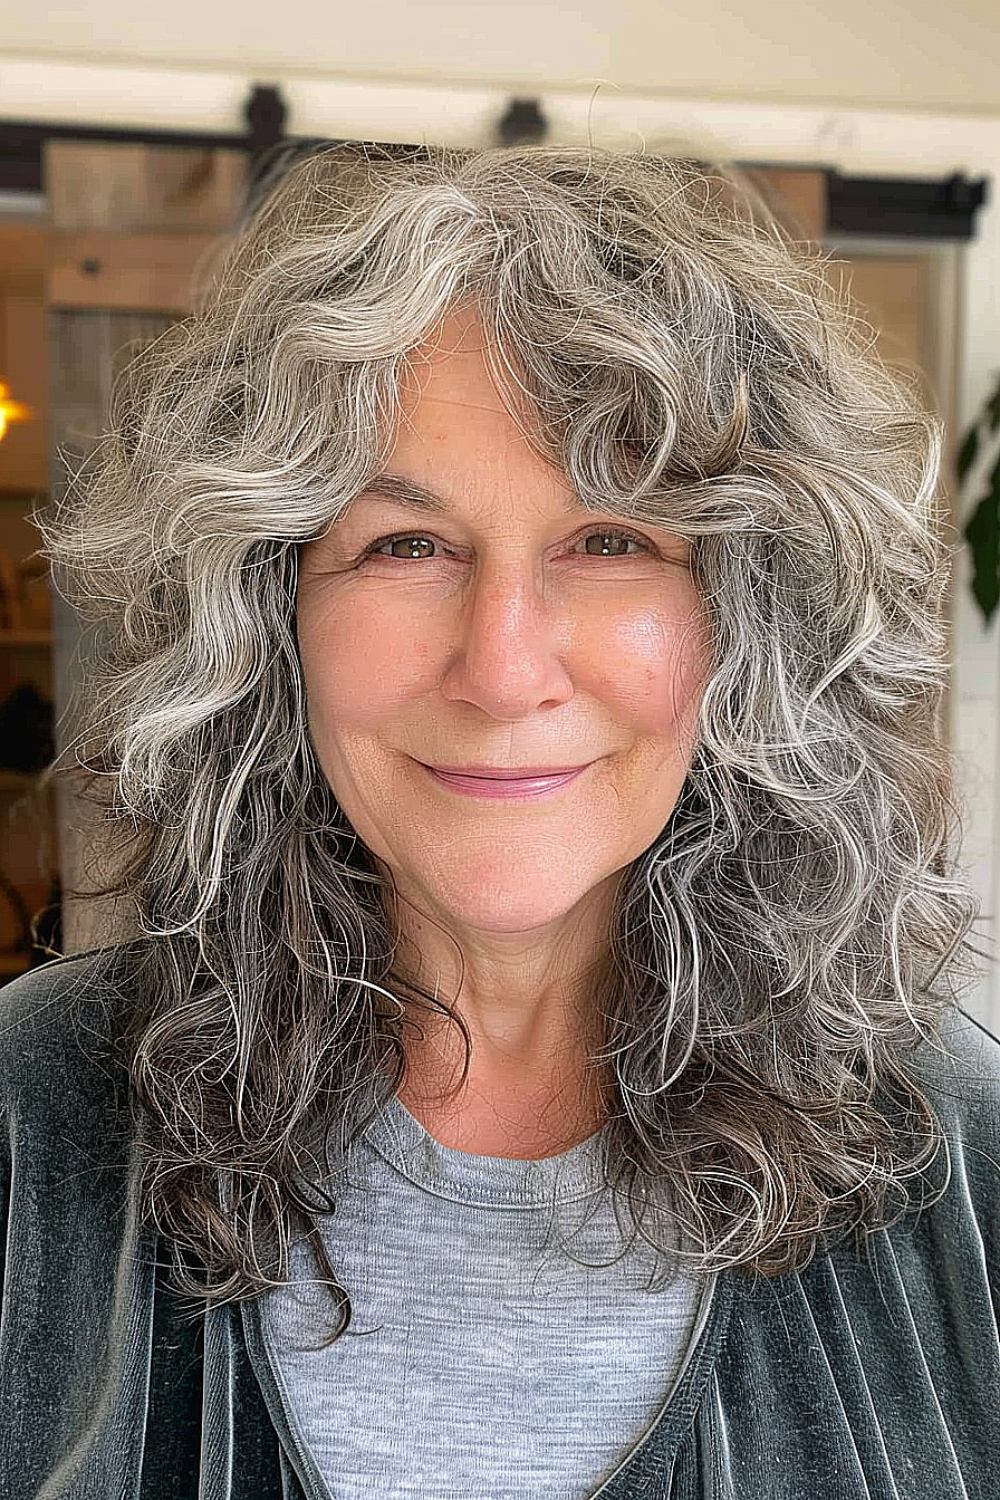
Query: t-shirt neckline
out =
(488, 1181)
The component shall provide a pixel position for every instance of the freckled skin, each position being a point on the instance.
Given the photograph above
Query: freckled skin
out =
(508, 643)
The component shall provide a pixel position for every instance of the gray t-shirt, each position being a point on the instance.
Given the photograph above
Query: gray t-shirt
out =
(524, 1339)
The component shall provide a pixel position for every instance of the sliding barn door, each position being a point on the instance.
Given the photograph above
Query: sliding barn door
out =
(909, 290)
(130, 230)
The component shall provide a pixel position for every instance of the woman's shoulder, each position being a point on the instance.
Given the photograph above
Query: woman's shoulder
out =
(58, 1018)
(959, 1075)
(961, 1072)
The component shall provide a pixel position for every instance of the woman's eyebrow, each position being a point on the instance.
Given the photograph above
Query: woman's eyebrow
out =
(419, 497)
(405, 492)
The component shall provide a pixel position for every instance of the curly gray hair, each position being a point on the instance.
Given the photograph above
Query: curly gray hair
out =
(774, 953)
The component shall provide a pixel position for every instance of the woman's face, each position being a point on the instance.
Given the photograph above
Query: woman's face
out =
(493, 634)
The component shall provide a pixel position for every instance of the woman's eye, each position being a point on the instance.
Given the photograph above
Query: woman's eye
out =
(610, 542)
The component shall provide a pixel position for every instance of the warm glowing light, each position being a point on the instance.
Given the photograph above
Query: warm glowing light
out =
(11, 411)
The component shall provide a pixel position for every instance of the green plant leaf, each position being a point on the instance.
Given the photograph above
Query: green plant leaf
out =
(982, 531)
(967, 452)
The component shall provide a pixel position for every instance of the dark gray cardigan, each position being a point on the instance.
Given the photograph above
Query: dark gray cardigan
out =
(863, 1377)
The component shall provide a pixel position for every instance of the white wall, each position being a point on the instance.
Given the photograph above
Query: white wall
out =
(910, 53)
(919, 56)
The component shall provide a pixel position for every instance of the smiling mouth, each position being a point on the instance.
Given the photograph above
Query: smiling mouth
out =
(503, 788)
(498, 773)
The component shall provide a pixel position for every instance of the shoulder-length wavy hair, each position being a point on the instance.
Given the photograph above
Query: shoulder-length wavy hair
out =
(774, 954)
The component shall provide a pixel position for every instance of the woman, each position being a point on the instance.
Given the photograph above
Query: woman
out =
(520, 590)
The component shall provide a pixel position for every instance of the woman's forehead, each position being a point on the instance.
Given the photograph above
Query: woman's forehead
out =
(452, 362)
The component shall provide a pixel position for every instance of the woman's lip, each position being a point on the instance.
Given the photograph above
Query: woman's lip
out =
(500, 789)
(492, 773)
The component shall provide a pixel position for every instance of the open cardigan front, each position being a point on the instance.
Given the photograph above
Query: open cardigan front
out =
(871, 1376)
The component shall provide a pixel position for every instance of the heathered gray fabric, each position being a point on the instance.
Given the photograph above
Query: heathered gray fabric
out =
(501, 1367)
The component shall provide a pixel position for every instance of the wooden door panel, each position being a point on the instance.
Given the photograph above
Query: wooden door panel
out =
(132, 228)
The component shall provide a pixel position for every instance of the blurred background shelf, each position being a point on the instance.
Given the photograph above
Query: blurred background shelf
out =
(25, 637)
(12, 964)
(17, 781)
